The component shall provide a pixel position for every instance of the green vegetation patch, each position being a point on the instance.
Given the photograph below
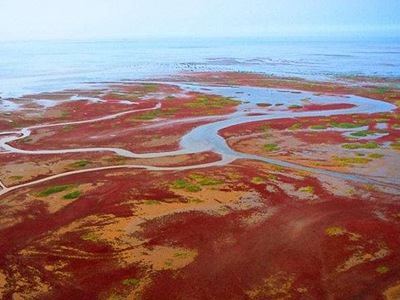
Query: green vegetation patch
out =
(371, 145)
(194, 182)
(381, 120)
(352, 160)
(25, 140)
(182, 254)
(193, 188)
(318, 127)
(376, 155)
(234, 176)
(196, 200)
(150, 115)
(117, 95)
(257, 180)
(90, 236)
(208, 102)
(150, 88)
(152, 202)
(382, 269)
(54, 189)
(68, 128)
(72, 195)
(131, 281)
(364, 133)
(380, 90)
(205, 180)
(80, 164)
(345, 125)
(16, 177)
(272, 176)
(295, 127)
(182, 184)
(173, 109)
(264, 127)
(65, 115)
(364, 122)
(295, 106)
(308, 189)
(264, 104)
(271, 147)
(278, 168)
(395, 145)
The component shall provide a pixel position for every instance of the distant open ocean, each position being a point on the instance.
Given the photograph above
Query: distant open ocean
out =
(29, 67)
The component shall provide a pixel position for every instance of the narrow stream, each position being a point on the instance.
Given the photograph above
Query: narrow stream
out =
(206, 138)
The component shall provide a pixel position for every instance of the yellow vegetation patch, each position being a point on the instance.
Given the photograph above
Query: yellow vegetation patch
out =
(3, 282)
(278, 286)
(335, 231)
(392, 293)
(360, 257)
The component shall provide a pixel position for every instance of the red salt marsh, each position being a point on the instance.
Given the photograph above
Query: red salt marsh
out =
(99, 225)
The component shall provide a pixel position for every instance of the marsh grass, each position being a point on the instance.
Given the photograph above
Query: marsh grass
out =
(295, 127)
(205, 180)
(90, 236)
(271, 147)
(150, 115)
(308, 189)
(68, 128)
(183, 184)
(257, 180)
(207, 102)
(80, 164)
(371, 145)
(376, 155)
(131, 281)
(352, 160)
(345, 125)
(55, 189)
(318, 127)
(72, 195)
(152, 202)
(380, 90)
(382, 269)
(365, 133)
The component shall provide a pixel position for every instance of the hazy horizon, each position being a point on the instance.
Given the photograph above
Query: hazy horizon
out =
(124, 19)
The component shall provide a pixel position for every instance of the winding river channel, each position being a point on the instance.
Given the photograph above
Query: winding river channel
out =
(205, 137)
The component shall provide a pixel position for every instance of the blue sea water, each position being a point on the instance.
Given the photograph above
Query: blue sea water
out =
(38, 66)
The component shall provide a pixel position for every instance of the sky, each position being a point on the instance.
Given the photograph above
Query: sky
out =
(93, 19)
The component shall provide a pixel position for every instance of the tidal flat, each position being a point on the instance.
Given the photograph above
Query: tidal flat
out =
(202, 185)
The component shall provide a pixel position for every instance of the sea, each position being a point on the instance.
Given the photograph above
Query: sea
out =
(28, 67)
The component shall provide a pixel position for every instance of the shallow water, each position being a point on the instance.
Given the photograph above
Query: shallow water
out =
(31, 67)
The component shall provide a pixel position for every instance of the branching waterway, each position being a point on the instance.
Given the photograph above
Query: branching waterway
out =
(206, 137)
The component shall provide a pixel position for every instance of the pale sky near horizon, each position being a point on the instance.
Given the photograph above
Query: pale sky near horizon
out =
(90, 19)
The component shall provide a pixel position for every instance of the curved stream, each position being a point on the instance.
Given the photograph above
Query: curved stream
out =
(206, 138)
